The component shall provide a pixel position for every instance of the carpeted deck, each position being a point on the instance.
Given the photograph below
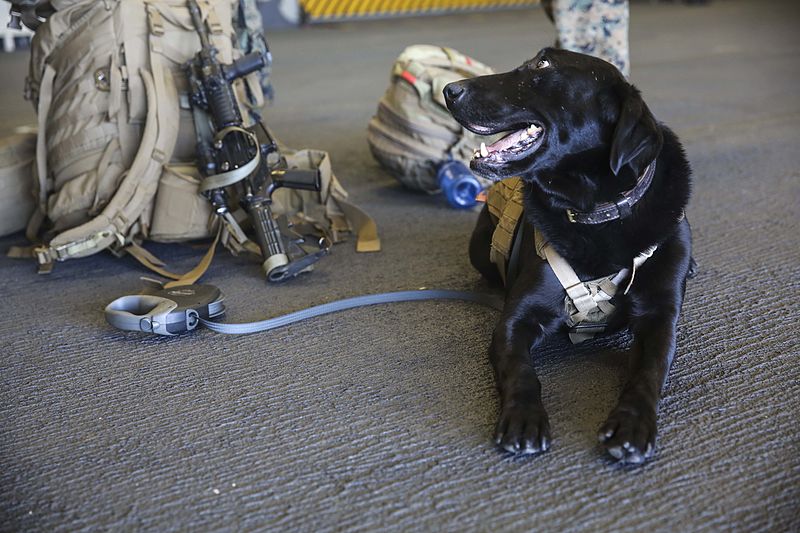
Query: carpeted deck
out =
(380, 419)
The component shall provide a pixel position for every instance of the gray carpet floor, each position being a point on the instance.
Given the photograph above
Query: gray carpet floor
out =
(380, 419)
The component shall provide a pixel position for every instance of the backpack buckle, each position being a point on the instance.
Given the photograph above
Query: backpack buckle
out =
(44, 258)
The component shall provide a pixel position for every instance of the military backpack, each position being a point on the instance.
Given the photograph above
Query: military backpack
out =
(412, 132)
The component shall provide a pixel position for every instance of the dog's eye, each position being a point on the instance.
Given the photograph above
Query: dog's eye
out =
(542, 63)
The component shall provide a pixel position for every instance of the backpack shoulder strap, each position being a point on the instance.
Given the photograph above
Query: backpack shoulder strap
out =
(113, 226)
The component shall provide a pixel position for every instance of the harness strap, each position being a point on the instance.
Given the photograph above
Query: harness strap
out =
(505, 205)
(590, 299)
(512, 270)
(576, 290)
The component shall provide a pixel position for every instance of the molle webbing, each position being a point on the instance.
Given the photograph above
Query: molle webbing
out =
(505, 203)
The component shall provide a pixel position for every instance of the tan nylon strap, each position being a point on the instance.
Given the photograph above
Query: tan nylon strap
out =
(417, 71)
(150, 261)
(34, 225)
(505, 205)
(210, 15)
(465, 62)
(149, 256)
(236, 175)
(233, 228)
(197, 272)
(165, 12)
(21, 252)
(233, 236)
(575, 288)
(366, 229)
(42, 111)
(155, 264)
(452, 54)
(155, 21)
(637, 262)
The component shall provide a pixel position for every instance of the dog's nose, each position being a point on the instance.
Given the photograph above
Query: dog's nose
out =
(453, 91)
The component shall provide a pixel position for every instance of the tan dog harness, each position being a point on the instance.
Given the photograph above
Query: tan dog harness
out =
(587, 303)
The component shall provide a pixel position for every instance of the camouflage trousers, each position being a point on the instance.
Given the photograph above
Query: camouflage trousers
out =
(595, 27)
(250, 33)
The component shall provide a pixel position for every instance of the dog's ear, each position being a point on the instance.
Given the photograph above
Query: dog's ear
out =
(637, 137)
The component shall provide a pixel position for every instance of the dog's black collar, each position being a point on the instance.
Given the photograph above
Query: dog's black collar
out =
(621, 208)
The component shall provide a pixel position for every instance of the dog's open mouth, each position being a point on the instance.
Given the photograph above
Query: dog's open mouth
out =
(513, 146)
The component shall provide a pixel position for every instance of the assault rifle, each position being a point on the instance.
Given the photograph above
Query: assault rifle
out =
(247, 158)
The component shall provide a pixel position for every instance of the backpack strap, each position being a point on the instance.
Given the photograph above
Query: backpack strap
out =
(40, 163)
(210, 16)
(42, 112)
(117, 223)
(150, 261)
(366, 229)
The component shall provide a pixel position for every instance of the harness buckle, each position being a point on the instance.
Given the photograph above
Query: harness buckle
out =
(623, 206)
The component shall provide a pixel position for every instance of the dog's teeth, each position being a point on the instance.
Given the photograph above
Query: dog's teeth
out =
(476, 154)
(484, 150)
(532, 130)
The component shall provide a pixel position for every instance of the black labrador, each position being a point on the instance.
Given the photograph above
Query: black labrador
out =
(582, 140)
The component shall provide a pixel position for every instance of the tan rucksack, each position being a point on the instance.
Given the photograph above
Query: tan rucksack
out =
(116, 144)
(412, 132)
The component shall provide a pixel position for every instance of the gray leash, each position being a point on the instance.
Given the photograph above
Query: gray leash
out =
(350, 303)
(181, 309)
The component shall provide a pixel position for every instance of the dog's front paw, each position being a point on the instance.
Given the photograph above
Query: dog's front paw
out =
(523, 429)
(629, 434)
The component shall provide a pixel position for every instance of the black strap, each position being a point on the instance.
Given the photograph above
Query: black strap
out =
(512, 270)
(622, 208)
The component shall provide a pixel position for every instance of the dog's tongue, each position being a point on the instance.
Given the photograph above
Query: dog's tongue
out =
(506, 142)
(513, 139)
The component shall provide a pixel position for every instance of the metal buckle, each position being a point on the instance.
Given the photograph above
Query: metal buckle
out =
(571, 216)
(623, 207)
(589, 327)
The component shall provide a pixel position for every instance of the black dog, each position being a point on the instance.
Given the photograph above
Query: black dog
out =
(603, 182)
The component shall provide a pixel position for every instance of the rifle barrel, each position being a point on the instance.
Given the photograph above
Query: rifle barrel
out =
(197, 20)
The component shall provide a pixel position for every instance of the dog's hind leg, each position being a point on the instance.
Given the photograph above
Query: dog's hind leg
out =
(479, 246)
(693, 269)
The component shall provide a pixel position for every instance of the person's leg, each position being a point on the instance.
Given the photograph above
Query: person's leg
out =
(595, 27)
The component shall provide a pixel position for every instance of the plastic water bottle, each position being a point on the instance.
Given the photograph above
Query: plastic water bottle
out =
(458, 184)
